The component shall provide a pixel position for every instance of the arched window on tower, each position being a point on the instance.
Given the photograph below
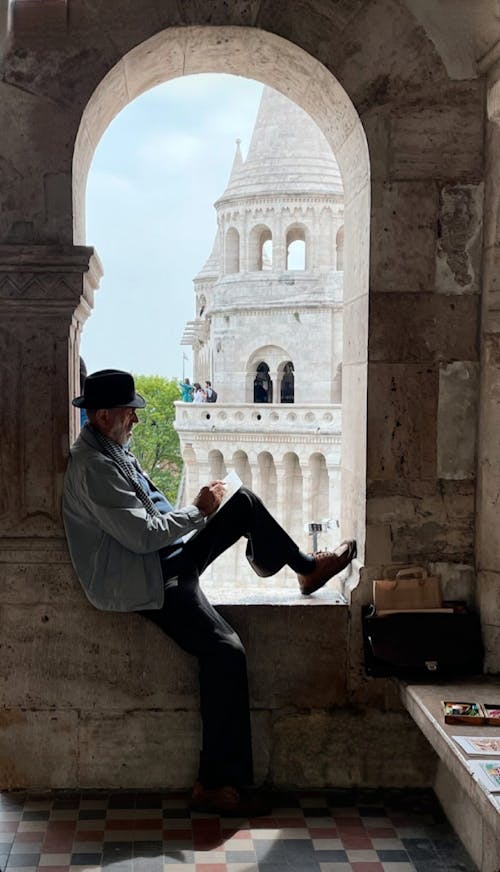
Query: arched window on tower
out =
(262, 385)
(261, 249)
(202, 303)
(340, 248)
(232, 251)
(296, 248)
(266, 258)
(287, 386)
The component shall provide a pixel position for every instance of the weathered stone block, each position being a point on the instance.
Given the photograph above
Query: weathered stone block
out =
(443, 141)
(457, 580)
(306, 647)
(459, 243)
(138, 749)
(377, 71)
(378, 543)
(39, 748)
(442, 327)
(351, 748)
(376, 124)
(491, 290)
(457, 420)
(67, 658)
(403, 236)
(402, 403)
(426, 524)
(37, 583)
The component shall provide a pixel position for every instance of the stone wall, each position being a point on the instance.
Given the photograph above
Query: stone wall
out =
(109, 701)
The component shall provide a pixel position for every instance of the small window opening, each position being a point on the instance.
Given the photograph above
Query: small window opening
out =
(287, 392)
(296, 249)
(262, 385)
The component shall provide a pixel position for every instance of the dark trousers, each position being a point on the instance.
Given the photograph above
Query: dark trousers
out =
(189, 619)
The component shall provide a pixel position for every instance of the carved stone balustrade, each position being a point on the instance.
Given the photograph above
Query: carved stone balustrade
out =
(258, 419)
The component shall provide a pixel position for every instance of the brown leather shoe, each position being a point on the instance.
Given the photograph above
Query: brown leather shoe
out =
(328, 564)
(227, 801)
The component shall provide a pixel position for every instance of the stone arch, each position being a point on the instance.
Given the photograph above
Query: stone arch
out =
(216, 464)
(318, 471)
(297, 235)
(268, 58)
(259, 254)
(273, 357)
(241, 465)
(232, 251)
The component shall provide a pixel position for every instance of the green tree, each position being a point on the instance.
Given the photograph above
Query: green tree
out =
(155, 442)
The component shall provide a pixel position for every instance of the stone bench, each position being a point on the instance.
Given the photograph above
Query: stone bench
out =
(471, 809)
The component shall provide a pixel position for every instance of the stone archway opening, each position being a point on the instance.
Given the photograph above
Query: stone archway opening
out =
(274, 61)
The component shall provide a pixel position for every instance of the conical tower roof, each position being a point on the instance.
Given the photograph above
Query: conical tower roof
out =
(211, 267)
(288, 154)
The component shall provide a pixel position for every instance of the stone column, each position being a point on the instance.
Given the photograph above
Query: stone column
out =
(334, 491)
(273, 375)
(279, 244)
(280, 491)
(46, 294)
(488, 492)
(204, 475)
(307, 502)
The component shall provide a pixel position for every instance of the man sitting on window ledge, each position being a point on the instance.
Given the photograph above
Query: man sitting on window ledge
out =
(131, 552)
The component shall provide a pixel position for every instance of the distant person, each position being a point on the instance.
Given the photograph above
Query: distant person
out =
(187, 391)
(199, 394)
(210, 392)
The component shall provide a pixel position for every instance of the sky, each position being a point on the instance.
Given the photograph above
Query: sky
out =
(156, 173)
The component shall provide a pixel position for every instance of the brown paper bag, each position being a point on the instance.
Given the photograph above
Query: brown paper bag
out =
(412, 590)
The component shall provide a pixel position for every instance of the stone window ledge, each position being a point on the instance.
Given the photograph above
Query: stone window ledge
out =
(274, 598)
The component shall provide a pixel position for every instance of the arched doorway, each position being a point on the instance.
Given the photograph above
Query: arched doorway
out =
(175, 52)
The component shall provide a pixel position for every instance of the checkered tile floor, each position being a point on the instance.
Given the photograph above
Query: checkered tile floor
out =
(325, 831)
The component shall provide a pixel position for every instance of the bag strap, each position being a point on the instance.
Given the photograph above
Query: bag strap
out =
(413, 572)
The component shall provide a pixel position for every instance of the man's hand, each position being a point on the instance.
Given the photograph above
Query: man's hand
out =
(209, 498)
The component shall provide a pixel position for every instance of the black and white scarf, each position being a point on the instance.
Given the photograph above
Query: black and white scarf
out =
(128, 465)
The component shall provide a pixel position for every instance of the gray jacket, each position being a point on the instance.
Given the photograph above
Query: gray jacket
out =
(112, 541)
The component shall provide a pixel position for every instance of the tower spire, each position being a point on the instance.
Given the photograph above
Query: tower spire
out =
(237, 163)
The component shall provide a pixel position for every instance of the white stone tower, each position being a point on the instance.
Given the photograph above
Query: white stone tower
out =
(268, 326)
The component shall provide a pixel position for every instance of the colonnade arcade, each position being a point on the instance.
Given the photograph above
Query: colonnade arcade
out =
(271, 247)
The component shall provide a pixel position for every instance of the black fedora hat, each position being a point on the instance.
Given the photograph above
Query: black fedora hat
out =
(109, 389)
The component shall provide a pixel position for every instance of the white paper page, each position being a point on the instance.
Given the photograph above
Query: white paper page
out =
(232, 483)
